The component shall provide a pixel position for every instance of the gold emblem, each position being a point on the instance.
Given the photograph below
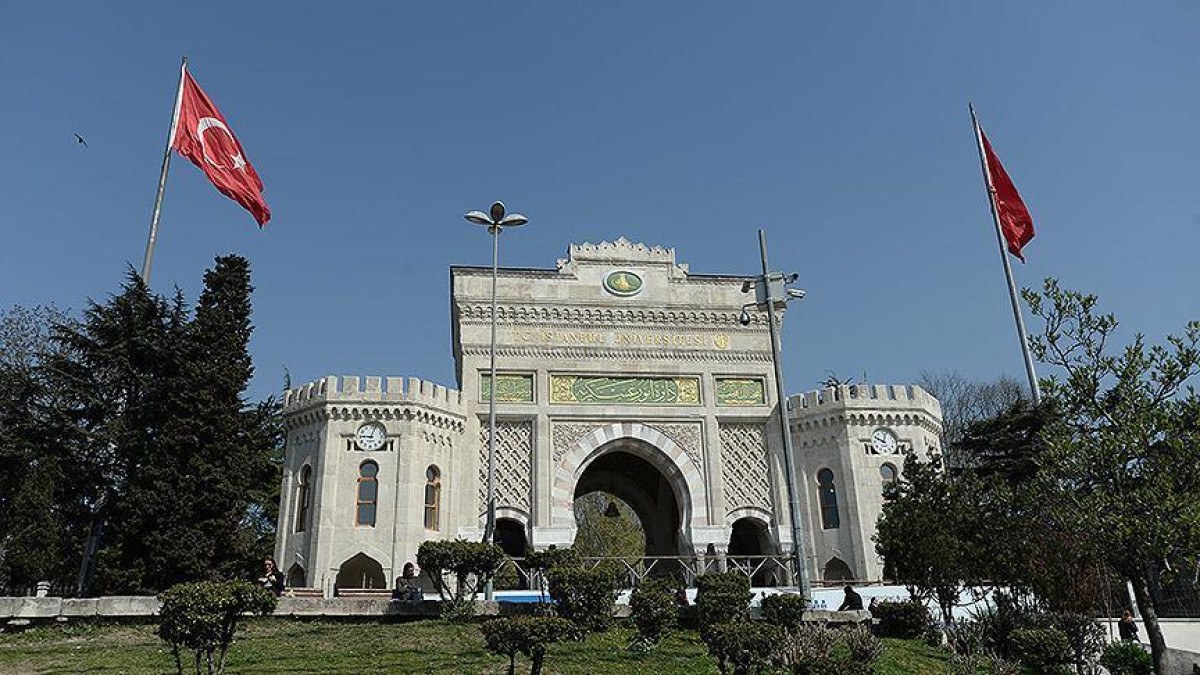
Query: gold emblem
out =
(623, 283)
(721, 341)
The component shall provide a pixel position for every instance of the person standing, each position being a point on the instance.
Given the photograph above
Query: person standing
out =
(1127, 627)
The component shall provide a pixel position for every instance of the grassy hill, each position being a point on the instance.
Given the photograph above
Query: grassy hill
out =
(282, 646)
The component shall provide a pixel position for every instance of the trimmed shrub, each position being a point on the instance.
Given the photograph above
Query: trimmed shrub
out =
(470, 563)
(507, 577)
(528, 635)
(583, 597)
(785, 610)
(743, 648)
(1046, 650)
(1127, 658)
(722, 598)
(905, 620)
(202, 618)
(653, 608)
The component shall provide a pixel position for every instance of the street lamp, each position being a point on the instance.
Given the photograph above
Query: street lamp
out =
(771, 292)
(495, 221)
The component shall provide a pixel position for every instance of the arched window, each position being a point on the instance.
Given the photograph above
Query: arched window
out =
(304, 498)
(888, 473)
(828, 498)
(368, 493)
(433, 497)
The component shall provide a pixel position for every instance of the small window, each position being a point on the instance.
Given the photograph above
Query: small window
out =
(433, 497)
(304, 498)
(888, 473)
(368, 494)
(828, 497)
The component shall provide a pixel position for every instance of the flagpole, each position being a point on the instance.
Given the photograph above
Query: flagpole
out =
(1008, 275)
(162, 179)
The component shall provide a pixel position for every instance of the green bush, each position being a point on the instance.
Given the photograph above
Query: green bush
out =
(1046, 650)
(652, 605)
(507, 577)
(552, 558)
(785, 610)
(202, 617)
(743, 648)
(528, 635)
(905, 620)
(1126, 658)
(722, 598)
(1085, 637)
(584, 597)
(470, 563)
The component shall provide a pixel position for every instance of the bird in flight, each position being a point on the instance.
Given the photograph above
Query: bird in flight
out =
(81, 141)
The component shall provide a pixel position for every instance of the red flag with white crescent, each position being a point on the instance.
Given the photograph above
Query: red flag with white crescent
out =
(203, 136)
(1015, 221)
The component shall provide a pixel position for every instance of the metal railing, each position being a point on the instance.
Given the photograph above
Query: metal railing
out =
(762, 570)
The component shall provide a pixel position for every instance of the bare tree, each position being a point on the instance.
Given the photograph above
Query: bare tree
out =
(965, 401)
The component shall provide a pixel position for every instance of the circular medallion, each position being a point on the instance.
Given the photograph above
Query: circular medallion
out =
(623, 283)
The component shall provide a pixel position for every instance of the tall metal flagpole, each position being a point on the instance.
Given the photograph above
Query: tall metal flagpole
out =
(1008, 275)
(162, 179)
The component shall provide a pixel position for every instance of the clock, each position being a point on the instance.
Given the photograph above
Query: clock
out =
(370, 436)
(884, 442)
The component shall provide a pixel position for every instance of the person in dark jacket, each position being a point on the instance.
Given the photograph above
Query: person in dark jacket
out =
(272, 578)
(852, 602)
(1126, 626)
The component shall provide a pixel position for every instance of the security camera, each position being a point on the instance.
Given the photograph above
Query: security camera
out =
(747, 285)
(797, 293)
(744, 317)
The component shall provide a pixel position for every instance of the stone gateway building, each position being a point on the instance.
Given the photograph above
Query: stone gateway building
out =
(618, 370)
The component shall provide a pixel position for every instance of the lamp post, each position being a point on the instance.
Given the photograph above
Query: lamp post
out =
(771, 291)
(495, 220)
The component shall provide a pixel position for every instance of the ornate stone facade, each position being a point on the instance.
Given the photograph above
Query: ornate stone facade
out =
(619, 370)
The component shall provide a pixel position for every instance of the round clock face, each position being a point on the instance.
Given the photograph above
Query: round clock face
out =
(884, 442)
(370, 436)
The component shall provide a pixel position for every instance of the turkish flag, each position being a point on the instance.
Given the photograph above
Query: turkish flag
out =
(1015, 221)
(203, 136)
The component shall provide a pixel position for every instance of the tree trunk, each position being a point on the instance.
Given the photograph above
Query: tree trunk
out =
(512, 664)
(1158, 646)
(537, 656)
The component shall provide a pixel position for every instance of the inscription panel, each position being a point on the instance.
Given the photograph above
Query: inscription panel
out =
(625, 390)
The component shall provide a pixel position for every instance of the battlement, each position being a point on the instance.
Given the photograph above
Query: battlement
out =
(878, 396)
(382, 389)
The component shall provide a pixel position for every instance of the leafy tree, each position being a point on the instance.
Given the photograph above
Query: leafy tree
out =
(1124, 467)
(924, 532)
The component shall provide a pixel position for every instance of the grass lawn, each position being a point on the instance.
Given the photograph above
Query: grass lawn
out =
(282, 646)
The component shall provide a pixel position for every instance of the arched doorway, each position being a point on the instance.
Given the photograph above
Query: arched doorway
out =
(361, 571)
(295, 576)
(638, 491)
(510, 537)
(836, 571)
(748, 540)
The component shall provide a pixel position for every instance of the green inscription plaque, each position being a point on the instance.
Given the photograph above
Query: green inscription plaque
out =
(510, 388)
(740, 391)
(625, 390)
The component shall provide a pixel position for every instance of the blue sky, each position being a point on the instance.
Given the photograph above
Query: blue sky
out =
(841, 128)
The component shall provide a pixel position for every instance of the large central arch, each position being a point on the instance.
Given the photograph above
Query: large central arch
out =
(646, 443)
